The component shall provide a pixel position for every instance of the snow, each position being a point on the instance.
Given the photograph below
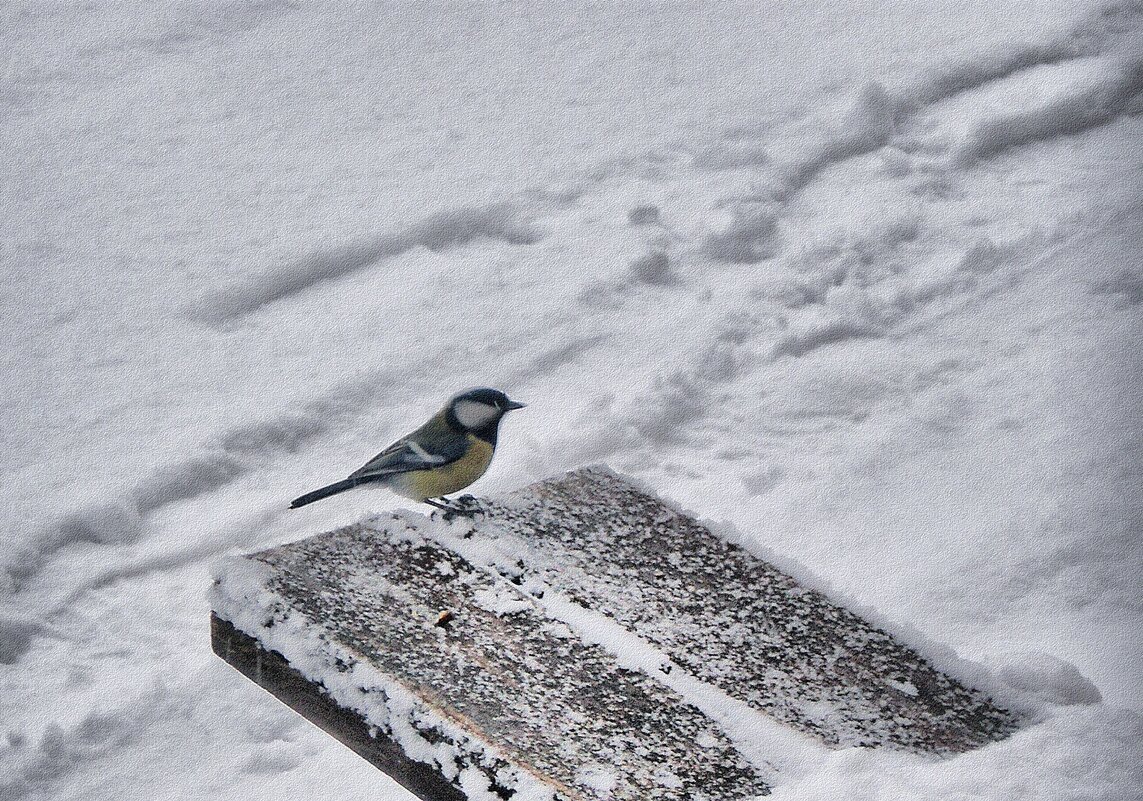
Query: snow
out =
(882, 321)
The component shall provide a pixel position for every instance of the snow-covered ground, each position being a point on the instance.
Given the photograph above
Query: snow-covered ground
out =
(864, 282)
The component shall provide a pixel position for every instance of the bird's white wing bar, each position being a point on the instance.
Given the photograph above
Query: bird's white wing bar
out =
(422, 454)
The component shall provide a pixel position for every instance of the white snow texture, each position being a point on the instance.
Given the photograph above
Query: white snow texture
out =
(862, 280)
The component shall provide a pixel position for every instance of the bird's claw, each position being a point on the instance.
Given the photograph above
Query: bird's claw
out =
(466, 506)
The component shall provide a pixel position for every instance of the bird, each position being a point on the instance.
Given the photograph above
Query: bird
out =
(446, 454)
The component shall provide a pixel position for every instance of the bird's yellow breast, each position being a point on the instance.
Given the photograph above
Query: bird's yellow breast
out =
(421, 484)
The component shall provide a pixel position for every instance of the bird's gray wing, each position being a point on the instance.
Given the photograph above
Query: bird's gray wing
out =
(434, 444)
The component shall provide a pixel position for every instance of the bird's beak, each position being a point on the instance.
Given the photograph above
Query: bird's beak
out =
(515, 405)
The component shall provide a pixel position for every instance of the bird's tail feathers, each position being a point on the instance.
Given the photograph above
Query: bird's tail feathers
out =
(325, 492)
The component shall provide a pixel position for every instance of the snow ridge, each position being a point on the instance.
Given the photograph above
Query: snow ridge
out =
(507, 222)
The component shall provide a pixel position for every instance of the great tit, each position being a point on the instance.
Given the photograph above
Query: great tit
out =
(446, 454)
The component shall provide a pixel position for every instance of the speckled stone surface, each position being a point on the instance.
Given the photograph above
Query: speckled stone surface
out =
(390, 608)
(735, 620)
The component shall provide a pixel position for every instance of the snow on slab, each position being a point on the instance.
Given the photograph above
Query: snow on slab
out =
(729, 619)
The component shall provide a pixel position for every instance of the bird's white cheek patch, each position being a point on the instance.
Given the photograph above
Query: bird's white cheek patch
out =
(474, 414)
